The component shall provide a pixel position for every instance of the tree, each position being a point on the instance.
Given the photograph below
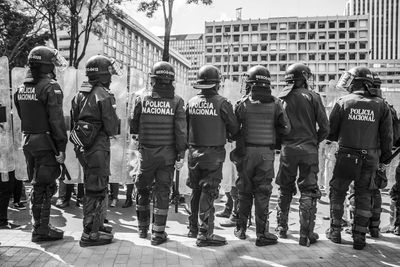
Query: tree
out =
(79, 18)
(151, 6)
(19, 34)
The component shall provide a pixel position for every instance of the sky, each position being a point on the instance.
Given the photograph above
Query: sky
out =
(191, 18)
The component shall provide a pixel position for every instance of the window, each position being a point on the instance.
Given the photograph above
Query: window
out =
(342, 56)
(236, 49)
(321, 78)
(292, 25)
(272, 47)
(235, 68)
(254, 38)
(342, 46)
(363, 34)
(236, 28)
(321, 25)
(292, 36)
(282, 26)
(217, 39)
(227, 29)
(282, 67)
(312, 46)
(272, 57)
(218, 29)
(245, 28)
(209, 40)
(217, 58)
(245, 48)
(282, 57)
(302, 46)
(292, 57)
(352, 56)
(311, 57)
(302, 57)
(311, 25)
(264, 47)
(302, 25)
(282, 36)
(244, 68)
(282, 47)
(363, 45)
(363, 56)
(342, 35)
(322, 35)
(352, 35)
(245, 38)
(235, 58)
(273, 36)
(236, 38)
(332, 56)
(273, 26)
(332, 77)
(245, 58)
(363, 23)
(264, 27)
(332, 46)
(209, 29)
(218, 49)
(264, 37)
(352, 45)
(352, 23)
(254, 58)
(342, 24)
(302, 36)
(254, 48)
(311, 36)
(254, 27)
(209, 59)
(322, 56)
(263, 58)
(332, 35)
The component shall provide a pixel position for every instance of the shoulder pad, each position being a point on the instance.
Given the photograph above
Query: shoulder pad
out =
(86, 87)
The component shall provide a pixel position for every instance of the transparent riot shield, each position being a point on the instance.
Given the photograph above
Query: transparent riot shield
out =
(17, 76)
(6, 137)
(119, 143)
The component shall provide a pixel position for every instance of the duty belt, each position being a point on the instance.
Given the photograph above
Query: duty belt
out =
(272, 147)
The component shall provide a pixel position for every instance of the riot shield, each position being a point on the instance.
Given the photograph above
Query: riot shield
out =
(17, 76)
(6, 137)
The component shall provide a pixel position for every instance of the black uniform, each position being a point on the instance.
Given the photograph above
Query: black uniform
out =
(362, 125)
(261, 123)
(300, 154)
(96, 105)
(210, 122)
(39, 105)
(160, 121)
(395, 195)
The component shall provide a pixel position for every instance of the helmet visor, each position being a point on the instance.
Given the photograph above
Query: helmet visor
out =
(345, 80)
(115, 68)
(59, 61)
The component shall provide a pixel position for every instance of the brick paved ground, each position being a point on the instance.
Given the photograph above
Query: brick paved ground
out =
(128, 250)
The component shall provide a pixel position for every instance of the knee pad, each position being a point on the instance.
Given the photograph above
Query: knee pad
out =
(288, 191)
(264, 188)
(143, 196)
(96, 185)
(210, 190)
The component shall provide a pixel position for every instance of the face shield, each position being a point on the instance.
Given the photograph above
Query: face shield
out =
(115, 68)
(59, 61)
(345, 80)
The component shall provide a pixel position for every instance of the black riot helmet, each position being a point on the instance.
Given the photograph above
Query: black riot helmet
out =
(376, 80)
(297, 72)
(100, 69)
(258, 75)
(357, 77)
(163, 72)
(208, 77)
(43, 59)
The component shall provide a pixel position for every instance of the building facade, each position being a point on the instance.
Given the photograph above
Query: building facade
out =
(384, 18)
(328, 45)
(130, 44)
(190, 46)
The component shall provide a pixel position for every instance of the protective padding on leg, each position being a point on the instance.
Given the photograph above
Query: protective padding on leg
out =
(37, 198)
(96, 185)
(261, 201)
(194, 208)
(93, 209)
(307, 211)
(336, 198)
(244, 209)
(143, 207)
(207, 210)
(283, 207)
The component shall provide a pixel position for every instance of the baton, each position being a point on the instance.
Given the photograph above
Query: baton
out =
(64, 171)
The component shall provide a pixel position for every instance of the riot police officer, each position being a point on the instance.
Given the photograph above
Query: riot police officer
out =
(39, 104)
(94, 121)
(362, 125)
(299, 152)
(210, 122)
(261, 117)
(160, 121)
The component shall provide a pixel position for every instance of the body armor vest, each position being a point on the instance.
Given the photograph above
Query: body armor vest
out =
(157, 121)
(34, 117)
(360, 123)
(206, 127)
(259, 123)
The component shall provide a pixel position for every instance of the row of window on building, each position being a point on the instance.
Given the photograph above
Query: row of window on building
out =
(284, 26)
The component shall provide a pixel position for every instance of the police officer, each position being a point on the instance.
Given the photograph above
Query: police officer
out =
(261, 117)
(210, 122)
(395, 196)
(39, 104)
(299, 153)
(361, 123)
(160, 121)
(93, 111)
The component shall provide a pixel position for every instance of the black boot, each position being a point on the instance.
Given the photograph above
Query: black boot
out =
(359, 240)
(204, 240)
(333, 234)
(128, 202)
(143, 231)
(52, 235)
(157, 238)
(95, 239)
(193, 231)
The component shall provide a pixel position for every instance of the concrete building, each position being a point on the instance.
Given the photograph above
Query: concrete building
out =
(192, 47)
(384, 18)
(328, 45)
(129, 43)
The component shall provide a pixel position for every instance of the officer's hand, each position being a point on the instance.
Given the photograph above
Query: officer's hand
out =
(179, 164)
(61, 157)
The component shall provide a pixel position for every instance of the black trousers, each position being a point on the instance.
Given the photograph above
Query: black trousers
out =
(5, 193)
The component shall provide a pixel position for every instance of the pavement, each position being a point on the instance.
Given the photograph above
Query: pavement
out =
(128, 249)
